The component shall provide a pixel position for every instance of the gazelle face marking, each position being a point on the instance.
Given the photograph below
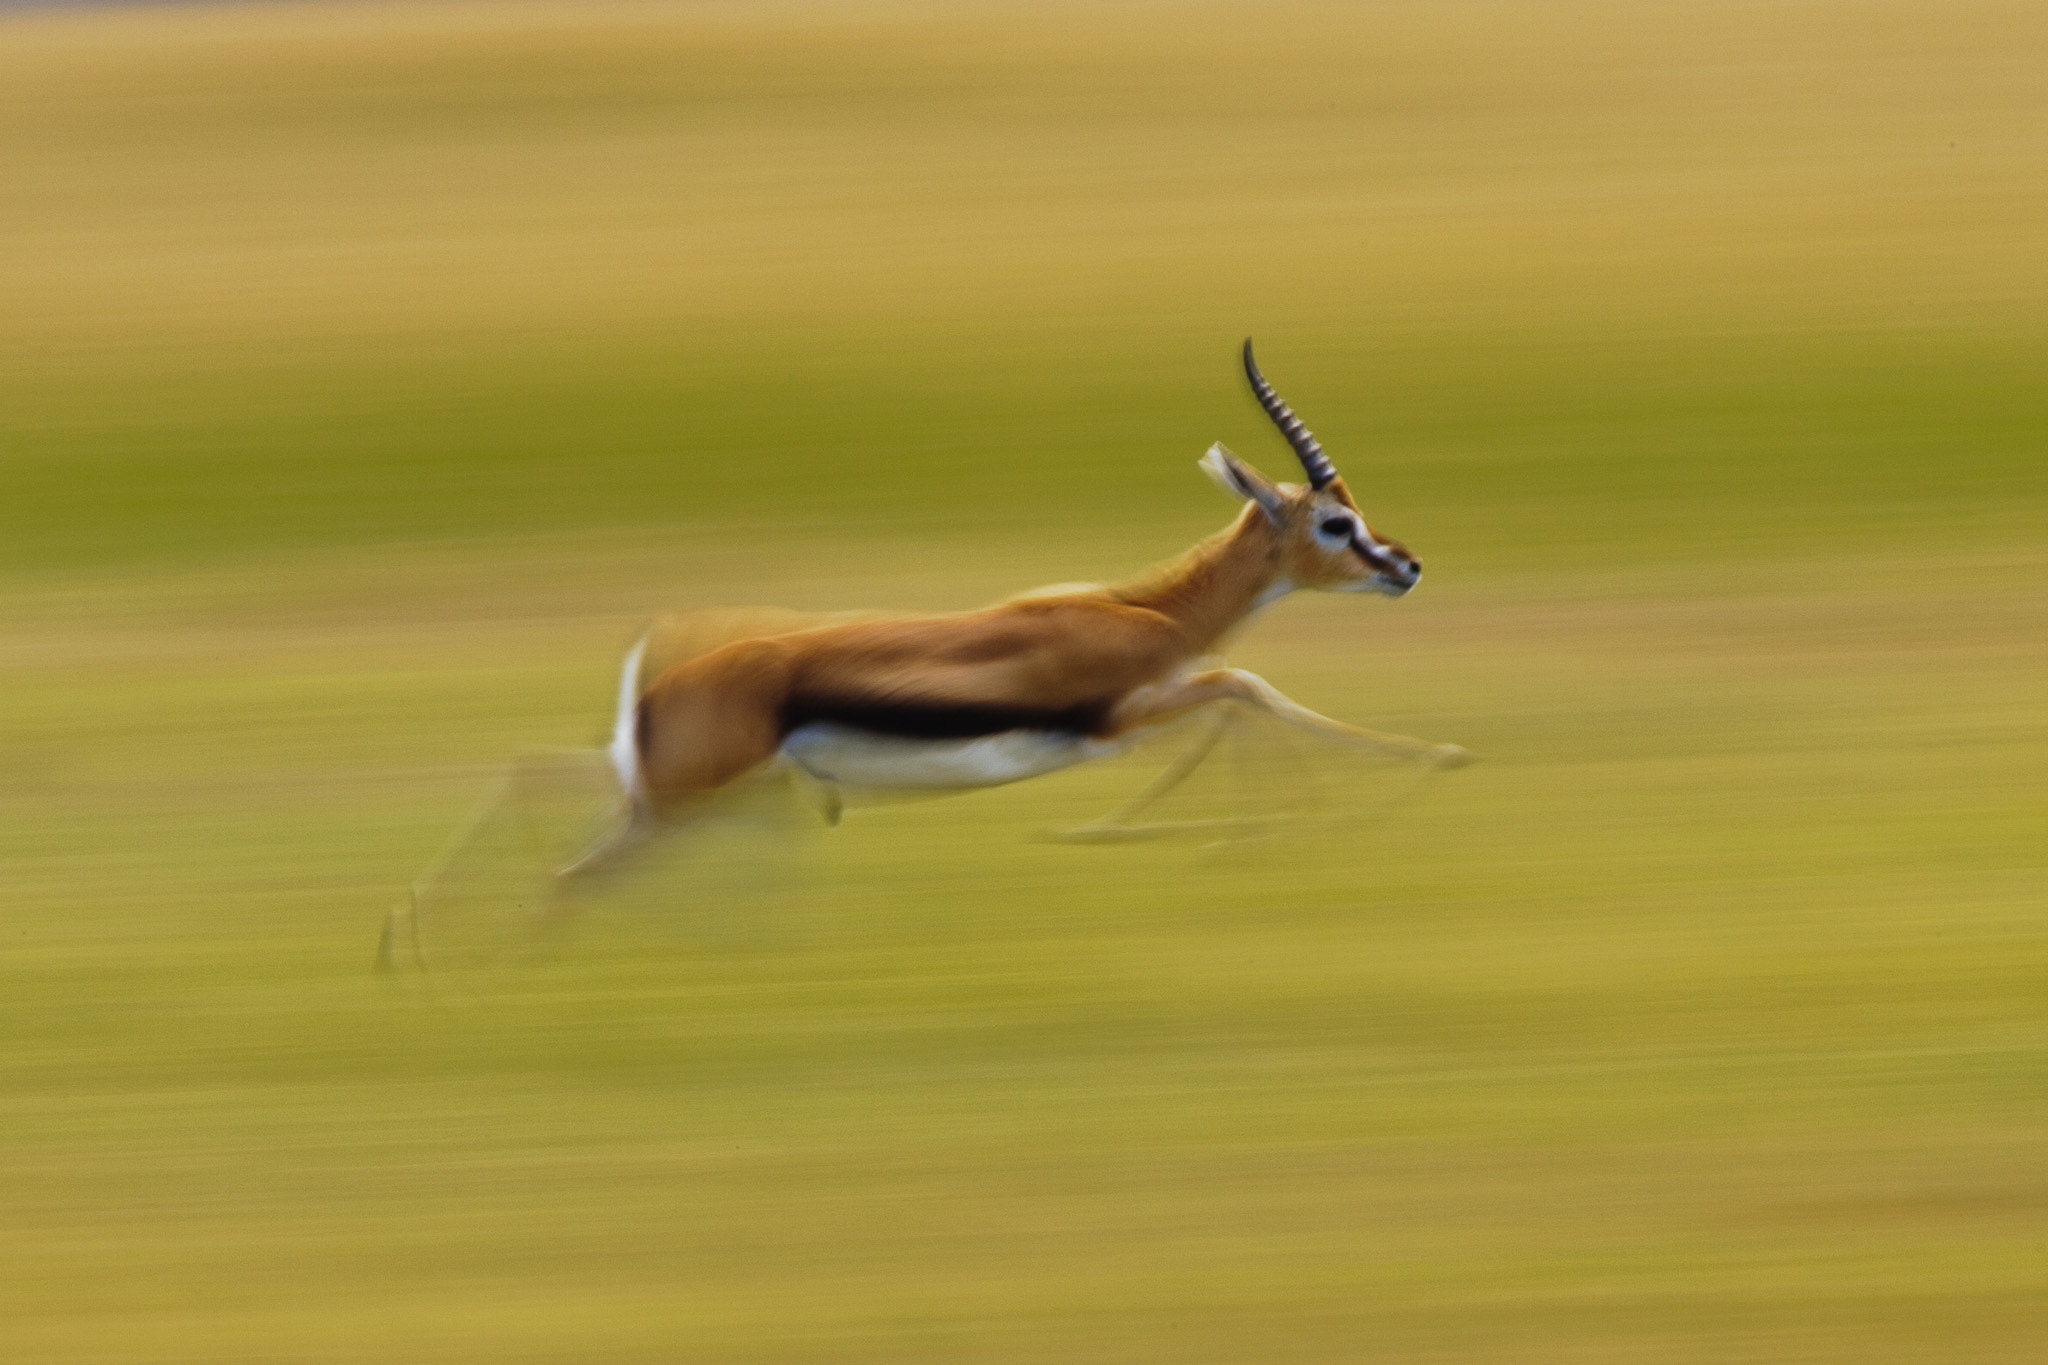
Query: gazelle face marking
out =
(1337, 530)
(1345, 536)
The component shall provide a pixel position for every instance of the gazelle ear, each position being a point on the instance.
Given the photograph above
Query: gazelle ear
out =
(1240, 480)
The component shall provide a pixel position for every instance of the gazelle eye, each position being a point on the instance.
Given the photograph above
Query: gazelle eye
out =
(1335, 526)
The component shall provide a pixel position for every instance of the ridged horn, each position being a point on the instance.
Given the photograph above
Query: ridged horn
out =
(1320, 471)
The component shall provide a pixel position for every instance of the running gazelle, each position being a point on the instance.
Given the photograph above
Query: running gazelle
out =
(1037, 683)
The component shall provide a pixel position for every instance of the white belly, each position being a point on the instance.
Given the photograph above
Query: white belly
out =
(862, 758)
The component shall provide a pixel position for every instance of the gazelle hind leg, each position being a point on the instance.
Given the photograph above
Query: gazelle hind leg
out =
(672, 750)
(694, 731)
(493, 881)
(402, 924)
(633, 828)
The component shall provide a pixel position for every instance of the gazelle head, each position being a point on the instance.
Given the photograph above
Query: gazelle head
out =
(1325, 542)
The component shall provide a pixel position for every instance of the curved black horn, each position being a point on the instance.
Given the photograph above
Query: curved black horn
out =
(1320, 471)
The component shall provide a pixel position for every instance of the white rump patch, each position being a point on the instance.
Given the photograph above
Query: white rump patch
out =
(625, 746)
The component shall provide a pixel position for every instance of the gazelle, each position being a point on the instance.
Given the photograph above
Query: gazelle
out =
(1039, 682)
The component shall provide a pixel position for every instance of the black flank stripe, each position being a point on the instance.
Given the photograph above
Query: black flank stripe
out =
(911, 719)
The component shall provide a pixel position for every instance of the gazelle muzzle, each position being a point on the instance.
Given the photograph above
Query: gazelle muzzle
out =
(1391, 563)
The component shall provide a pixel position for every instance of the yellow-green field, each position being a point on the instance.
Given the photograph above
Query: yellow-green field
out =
(369, 372)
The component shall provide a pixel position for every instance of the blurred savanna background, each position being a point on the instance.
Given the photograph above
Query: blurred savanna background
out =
(369, 373)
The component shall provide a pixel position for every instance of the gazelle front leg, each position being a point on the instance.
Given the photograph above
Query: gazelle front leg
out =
(1118, 823)
(1162, 701)
(1224, 689)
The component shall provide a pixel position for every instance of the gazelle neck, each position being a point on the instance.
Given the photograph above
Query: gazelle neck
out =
(1216, 584)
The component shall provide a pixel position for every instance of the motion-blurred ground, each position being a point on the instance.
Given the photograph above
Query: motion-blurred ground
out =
(368, 373)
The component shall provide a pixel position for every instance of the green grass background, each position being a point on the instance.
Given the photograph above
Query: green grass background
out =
(369, 372)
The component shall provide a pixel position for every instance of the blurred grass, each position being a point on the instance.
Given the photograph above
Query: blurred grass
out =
(369, 371)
